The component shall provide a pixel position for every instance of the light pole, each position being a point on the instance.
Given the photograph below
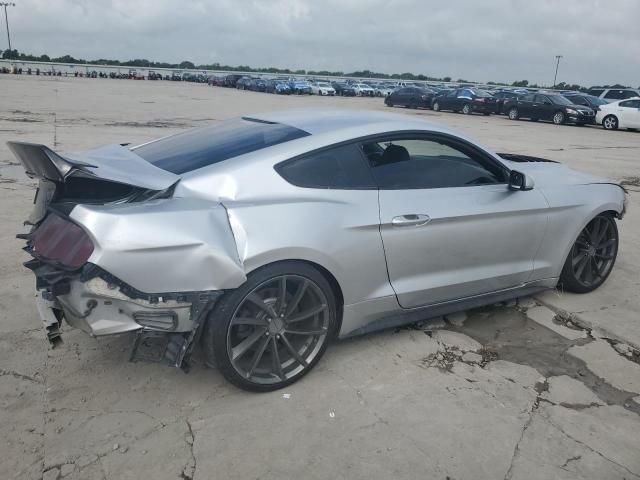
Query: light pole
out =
(555, 77)
(6, 21)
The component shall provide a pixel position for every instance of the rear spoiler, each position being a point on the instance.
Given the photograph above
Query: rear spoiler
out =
(115, 163)
(39, 161)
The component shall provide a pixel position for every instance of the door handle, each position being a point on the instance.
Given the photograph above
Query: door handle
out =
(410, 220)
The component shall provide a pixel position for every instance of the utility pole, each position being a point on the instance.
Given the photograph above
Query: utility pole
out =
(6, 21)
(555, 77)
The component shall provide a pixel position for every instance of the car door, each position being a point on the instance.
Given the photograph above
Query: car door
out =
(448, 101)
(464, 96)
(450, 226)
(629, 111)
(525, 105)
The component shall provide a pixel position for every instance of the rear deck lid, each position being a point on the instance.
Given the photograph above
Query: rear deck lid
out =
(115, 163)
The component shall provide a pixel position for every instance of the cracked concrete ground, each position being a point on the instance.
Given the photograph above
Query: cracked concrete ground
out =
(542, 388)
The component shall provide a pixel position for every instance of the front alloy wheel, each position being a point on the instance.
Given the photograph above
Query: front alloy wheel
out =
(592, 256)
(513, 114)
(466, 109)
(272, 330)
(558, 118)
(436, 107)
(610, 123)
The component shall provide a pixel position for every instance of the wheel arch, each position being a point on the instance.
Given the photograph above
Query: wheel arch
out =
(324, 271)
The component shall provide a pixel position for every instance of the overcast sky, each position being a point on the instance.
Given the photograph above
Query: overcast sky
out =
(499, 40)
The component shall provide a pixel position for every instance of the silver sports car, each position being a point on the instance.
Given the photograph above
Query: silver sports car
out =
(266, 236)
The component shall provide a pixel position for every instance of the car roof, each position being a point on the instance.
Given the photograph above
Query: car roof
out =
(323, 121)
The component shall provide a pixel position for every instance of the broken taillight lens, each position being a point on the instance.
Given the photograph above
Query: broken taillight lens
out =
(61, 241)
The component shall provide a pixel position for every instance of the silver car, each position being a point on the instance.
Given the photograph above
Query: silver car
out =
(265, 237)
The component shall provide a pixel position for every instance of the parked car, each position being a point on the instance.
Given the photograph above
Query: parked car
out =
(550, 106)
(620, 114)
(585, 100)
(243, 83)
(411, 97)
(278, 86)
(502, 97)
(149, 239)
(231, 80)
(300, 87)
(363, 90)
(613, 94)
(465, 100)
(344, 89)
(323, 89)
(257, 85)
(383, 89)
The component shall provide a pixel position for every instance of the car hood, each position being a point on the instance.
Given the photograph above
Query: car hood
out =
(552, 173)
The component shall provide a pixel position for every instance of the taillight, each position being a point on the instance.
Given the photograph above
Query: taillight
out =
(480, 100)
(61, 241)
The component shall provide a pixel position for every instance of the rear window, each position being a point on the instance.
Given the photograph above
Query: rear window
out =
(201, 147)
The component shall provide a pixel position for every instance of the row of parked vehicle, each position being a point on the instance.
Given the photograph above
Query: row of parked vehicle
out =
(611, 108)
(288, 86)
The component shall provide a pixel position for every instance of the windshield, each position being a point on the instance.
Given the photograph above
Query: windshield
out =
(483, 93)
(200, 147)
(323, 84)
(560, 100)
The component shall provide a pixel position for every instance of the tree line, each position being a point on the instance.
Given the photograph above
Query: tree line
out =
(142, 62)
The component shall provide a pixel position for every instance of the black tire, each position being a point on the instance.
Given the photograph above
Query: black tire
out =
(466, 109)
(610, 122)
(436, 107)
(559, 118)
(535, 119)
(486, 114)
(232, 320)
(513, 113)
(597, 242)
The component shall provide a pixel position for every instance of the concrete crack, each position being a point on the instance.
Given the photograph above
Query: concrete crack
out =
(527, 424)
(557, 427)
(19, 375)
(569, 460)
(189, 471)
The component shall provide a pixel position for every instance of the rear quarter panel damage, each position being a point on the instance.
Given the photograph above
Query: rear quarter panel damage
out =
(169, 245)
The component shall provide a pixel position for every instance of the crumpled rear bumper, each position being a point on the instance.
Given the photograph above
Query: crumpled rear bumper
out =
(97, 303)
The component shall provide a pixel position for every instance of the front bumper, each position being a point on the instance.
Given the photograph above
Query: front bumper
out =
(582, 119)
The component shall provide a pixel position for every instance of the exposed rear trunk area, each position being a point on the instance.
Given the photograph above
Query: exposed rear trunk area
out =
(110, 174)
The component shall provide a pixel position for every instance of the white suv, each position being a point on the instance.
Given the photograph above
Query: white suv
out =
(613, 94)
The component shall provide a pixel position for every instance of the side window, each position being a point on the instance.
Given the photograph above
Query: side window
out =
(528, 98)
(452, 93)
(342, 167)
(541, 99)
(423, 163)
(630, 104)
(615, 94)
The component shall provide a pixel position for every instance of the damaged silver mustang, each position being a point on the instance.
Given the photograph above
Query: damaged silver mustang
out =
(264, 237)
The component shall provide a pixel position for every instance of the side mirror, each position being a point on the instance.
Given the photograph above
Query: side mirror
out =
(520, 181)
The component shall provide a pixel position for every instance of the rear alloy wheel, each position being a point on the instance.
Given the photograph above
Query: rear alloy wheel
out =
(272, 330)
(610, 122)
(558, 118)
(466, 109)
(592, 256)
(436, 107)
(513, 113)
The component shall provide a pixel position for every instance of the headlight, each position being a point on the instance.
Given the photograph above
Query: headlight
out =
(571, 111)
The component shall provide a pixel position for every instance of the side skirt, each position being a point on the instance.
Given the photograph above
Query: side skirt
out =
(407, 316)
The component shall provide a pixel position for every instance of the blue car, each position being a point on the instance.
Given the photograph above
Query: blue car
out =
(300, 87)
